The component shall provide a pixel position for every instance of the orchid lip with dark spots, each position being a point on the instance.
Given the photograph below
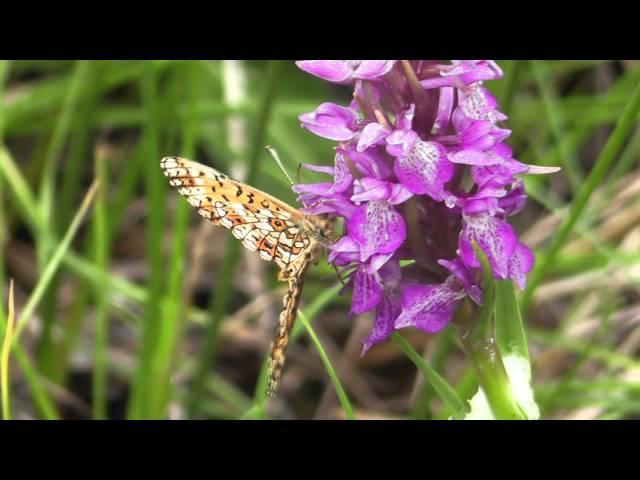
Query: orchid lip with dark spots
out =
(421, 172)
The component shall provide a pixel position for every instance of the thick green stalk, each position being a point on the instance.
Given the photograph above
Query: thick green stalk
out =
(479, 343)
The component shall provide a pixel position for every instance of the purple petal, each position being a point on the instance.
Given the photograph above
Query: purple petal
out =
(370, 163)
(476, 102)
(331, 121)
(405, 118)
(472, 71)
(472, 156)
(319, 168)
(324, 202)
(372, 134)
(378, 228)
(386, 313)
(342, 174)
(495, 237)
(472, 132)
(464, 72)
(390, 272)
(481, 135)
(373, 69)
(367, 292)
(372, 93)
(464, 277)
(321, 188)
(445, 107)
(367, 189)
(427, 307)
(425, 170)
(458, 269)
(378, 261)
(521, 263)
(338, 71)
(400, 142)
(399, 194)
(475, 206)
(514, 201)
(344, 251)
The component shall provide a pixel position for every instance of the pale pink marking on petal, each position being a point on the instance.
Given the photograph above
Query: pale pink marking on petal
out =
(367, 292)
(495, 237)
(342, 175)
(378, 228)
(425, 170)
(521, 263)
(386, 313)
(472, 156)
(427, 307)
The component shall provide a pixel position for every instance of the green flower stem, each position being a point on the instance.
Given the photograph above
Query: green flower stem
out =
(492, 377)
(480, 345)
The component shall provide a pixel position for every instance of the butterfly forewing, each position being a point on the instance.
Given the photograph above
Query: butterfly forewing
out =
(261, 222)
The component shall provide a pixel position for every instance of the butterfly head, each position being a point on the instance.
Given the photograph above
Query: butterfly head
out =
(321, 227)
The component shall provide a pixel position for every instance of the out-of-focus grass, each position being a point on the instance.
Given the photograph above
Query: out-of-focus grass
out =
(119, 328)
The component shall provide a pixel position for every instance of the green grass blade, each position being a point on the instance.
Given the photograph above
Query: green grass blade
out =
(4, 356)
(446, 393)
(171, 328)
(52, 265)
(41, 398)
(142, 388)
(21, 191)
(58, 139)
(101, 238)
(342, 395)
(43, 402)
(512, 70)
(595, 178)
(224, 287)
(319, 303)
(556, 122)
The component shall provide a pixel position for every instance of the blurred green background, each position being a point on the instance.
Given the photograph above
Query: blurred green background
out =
(135, 307)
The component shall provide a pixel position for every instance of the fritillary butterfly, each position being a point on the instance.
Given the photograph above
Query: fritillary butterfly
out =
(278, 232)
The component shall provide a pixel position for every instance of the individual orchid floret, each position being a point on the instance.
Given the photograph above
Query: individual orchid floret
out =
(345, 71)
(331, 121)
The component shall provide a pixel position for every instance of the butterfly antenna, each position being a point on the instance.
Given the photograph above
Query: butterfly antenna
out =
(276, 157)
(338, 274)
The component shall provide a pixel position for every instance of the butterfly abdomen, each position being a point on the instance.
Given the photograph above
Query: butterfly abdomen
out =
(278, 350)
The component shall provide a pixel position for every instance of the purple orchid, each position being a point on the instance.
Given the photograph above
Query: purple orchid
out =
(414, 137)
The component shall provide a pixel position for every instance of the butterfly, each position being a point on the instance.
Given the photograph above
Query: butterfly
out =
(278, 232)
